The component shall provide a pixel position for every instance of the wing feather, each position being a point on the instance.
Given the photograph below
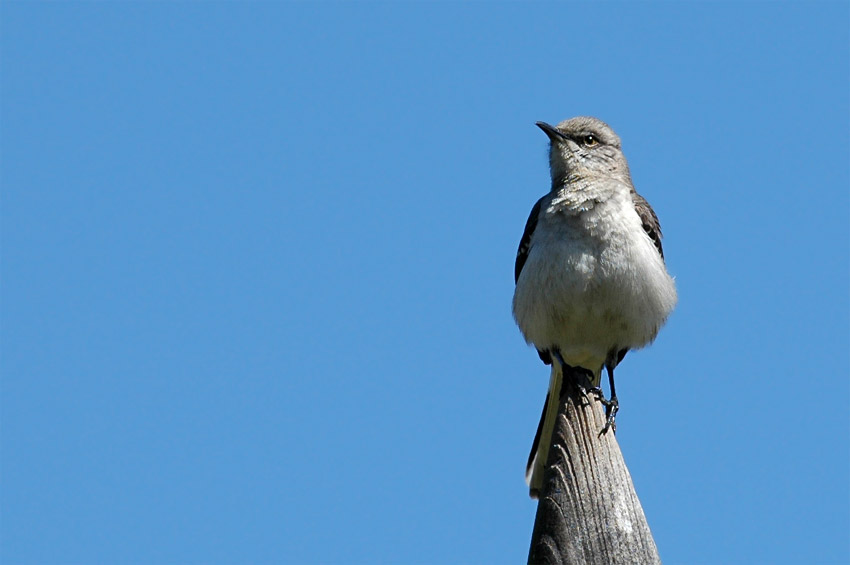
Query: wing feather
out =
(649, 221)
(525, 242)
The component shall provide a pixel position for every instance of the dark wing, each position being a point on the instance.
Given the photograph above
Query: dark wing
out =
(525, 242)
(649, 221)
(521, 256)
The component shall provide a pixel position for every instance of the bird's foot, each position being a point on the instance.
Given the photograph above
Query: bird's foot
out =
(600, 396)
(611, 408)
(580, 378)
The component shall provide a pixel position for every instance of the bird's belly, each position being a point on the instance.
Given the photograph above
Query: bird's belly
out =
(587, 299)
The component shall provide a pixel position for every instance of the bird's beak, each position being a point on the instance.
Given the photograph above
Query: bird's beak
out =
(553, 133)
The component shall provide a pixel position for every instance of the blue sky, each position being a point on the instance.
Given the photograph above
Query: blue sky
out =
(257, 265)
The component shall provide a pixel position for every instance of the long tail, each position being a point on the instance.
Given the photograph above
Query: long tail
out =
(543, 438)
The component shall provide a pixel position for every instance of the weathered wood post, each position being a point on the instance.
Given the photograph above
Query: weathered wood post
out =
(588, 512)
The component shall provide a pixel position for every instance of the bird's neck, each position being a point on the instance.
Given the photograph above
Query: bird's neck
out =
(580, 193)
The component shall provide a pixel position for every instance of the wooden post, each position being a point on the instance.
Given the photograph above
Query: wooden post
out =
(588, 511)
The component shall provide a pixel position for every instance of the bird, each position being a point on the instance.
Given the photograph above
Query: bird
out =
(591, 280)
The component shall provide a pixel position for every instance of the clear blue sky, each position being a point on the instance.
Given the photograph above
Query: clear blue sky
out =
(257, 265)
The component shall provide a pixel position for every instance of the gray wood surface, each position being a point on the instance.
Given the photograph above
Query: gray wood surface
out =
(588, 512)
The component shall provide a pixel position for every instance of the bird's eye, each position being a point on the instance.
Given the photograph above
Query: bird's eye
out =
(589, 140)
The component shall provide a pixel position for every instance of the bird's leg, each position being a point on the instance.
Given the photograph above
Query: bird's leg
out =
(612, 405)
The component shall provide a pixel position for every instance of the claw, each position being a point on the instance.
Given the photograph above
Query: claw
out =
(582, 379)
(611, 408)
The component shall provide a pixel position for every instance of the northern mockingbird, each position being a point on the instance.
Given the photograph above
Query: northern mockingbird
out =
(590, 277)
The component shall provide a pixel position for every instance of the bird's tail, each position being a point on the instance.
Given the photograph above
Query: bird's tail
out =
(543, 437)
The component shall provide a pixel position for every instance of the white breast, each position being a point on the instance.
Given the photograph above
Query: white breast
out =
(593, 282)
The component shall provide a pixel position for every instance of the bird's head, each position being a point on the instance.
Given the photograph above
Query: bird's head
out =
(584, 148)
